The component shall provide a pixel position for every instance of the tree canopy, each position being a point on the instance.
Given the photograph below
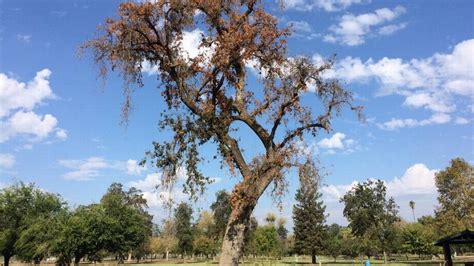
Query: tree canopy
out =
(455, 186)
(371, 215)
(207, 93)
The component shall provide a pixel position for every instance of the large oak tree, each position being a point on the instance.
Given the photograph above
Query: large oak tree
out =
(207, 94)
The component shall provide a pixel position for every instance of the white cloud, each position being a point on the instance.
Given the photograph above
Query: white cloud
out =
(335, 142)
(18, 95)
(84, 170)
(352, 30)
(151, 182)
(133, 168)
(335, 192)
(391, 29)
(27, 123)
(432, 83)
(395, 123)
(61, 134)
(7, 160)
(18, 100)
(416, 180)
(326, 5)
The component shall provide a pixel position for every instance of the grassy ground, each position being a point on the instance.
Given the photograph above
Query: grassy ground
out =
(298, 261)
(287, 261)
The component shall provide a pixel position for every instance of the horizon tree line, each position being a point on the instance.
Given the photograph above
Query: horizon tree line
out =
(35, 224)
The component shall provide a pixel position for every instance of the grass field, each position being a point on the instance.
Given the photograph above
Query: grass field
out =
(287, 261)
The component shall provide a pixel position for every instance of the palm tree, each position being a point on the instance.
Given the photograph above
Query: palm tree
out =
(412, 206)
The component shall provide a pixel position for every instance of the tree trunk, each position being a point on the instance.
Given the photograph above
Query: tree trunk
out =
(384, 257)
(313, 257)
(6, 260)
(233, 243)
(167, 254)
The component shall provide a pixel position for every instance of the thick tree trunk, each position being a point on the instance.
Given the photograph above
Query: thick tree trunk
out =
(233, 243)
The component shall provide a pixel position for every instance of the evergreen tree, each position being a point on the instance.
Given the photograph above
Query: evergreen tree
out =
(308, 213)
(221, 209)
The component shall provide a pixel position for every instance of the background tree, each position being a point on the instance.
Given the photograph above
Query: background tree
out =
(206, 94)
(80, 233)
(166, 242)
(371, 215)
(128, 221)
(455, 186)
(204, 241)
(418, 239)
(412, 207)
(265, 241)
(184, 232)
(249, 234)
(351, 246)
(282, 236)
(221, 210)
(334, 241)
(21, 206)
(308, 213)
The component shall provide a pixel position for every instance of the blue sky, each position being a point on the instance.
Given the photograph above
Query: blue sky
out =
(410, 63)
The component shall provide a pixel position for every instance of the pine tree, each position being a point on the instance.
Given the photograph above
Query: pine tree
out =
(308, 213)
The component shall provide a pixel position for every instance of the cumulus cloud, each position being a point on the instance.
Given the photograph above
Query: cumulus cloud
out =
(27, 123)
(326, 5)
(18, 95)
(7, 160)
(61, 134)
(19, 99)
(417, 179)
(133, 168)
(338, 141)
(85, 169)
(432, 83)
(352, 30)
